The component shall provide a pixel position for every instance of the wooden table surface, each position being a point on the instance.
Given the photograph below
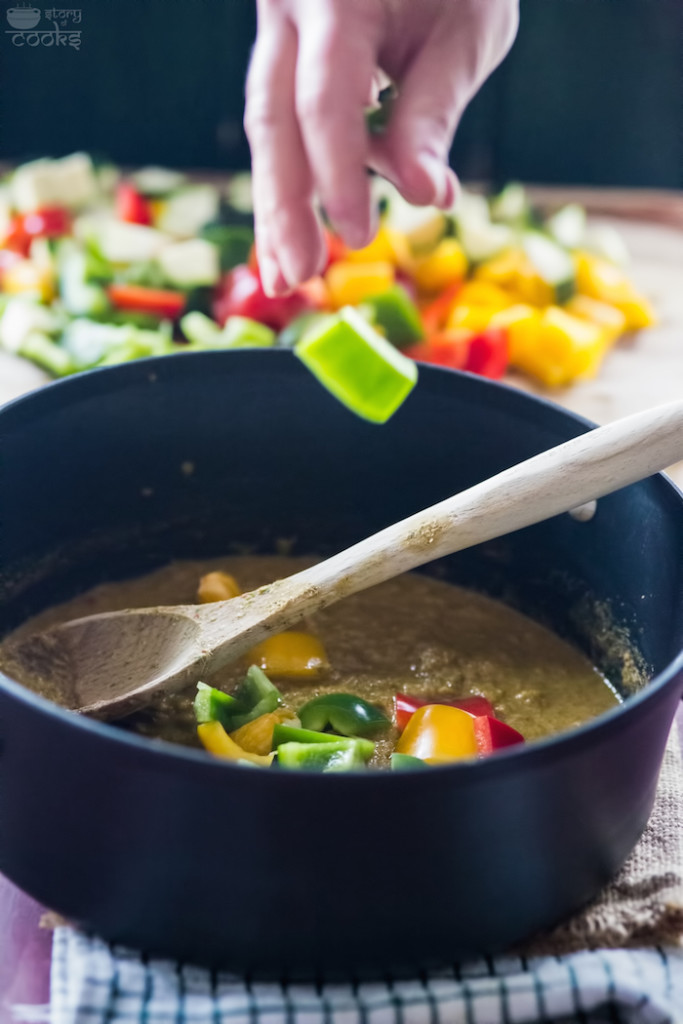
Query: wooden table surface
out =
(641, 371)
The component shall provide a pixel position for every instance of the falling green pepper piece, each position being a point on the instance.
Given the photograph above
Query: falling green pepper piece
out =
(343, 712)
(357, 365)
(338, 756)
(407, 763)
(212, 705)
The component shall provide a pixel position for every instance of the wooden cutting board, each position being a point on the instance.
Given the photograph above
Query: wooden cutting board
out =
(642, 370)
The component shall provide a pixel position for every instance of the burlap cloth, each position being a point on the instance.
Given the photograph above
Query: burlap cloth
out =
(643, 905)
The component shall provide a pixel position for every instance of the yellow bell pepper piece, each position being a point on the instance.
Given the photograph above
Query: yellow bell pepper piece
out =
(565, 348)
(530, 286)
(610, 318)
(388, 246)
(638, 311)
(476, 304)
(471, 318)
(513, 270)
(257, 736)
(444, 266)
(292, 655)
(217, 586)
(503, 269)
(27, 276)
(215, 739)
(348, 283)
(157, 208)
(483, 293)
(522, 323)
(438, 734)
(602, 280)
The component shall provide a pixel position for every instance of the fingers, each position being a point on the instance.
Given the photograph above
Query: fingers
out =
(435, 87)
(413, 152)
(334, 80)
(289, 238)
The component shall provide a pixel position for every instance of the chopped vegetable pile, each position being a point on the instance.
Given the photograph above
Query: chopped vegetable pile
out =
(98, 269)
(333, 732)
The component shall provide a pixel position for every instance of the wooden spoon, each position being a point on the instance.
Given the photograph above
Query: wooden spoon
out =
(109, 665)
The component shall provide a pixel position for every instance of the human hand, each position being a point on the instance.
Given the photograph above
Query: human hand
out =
(310, 80)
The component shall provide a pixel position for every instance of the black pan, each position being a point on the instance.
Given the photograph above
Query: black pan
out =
(115, 472)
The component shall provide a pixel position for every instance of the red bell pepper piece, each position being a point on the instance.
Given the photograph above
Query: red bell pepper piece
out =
(336, 249)
(492, 734)
(488, 353)
(240, 293)
(48, 222)
(445, 348)
(16, 240)
(405, 706)
(156, 301)
(435, 314)
(131, 206)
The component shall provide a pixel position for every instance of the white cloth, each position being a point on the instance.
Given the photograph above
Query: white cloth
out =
(93, 983)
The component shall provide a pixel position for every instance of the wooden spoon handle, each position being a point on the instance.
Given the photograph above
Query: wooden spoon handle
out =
(587, 467)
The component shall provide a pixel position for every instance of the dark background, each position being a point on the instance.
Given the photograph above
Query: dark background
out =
(591, 93)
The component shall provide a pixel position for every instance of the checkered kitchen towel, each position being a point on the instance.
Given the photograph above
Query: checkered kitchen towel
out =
(557, 980)
(93, 984)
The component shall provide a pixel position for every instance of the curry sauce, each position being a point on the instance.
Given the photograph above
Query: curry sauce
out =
(413, 634)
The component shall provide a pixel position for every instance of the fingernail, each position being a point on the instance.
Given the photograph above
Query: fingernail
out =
(271, 276)
(356, 237)
(293, 267)
(437, 172)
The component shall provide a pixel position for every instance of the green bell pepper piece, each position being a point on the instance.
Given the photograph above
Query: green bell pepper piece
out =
(130, 318)
(139, 344)
(212, 705)
(41, 350)
(79, 296)
(242, 332)
(394, 311)
(147, 273)
(343, 712)
(200, 329)
(407, 763)
(377, 117)
(339, 756)
(357, 365)
(255, 696)
(290, 734)
(234, 242)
